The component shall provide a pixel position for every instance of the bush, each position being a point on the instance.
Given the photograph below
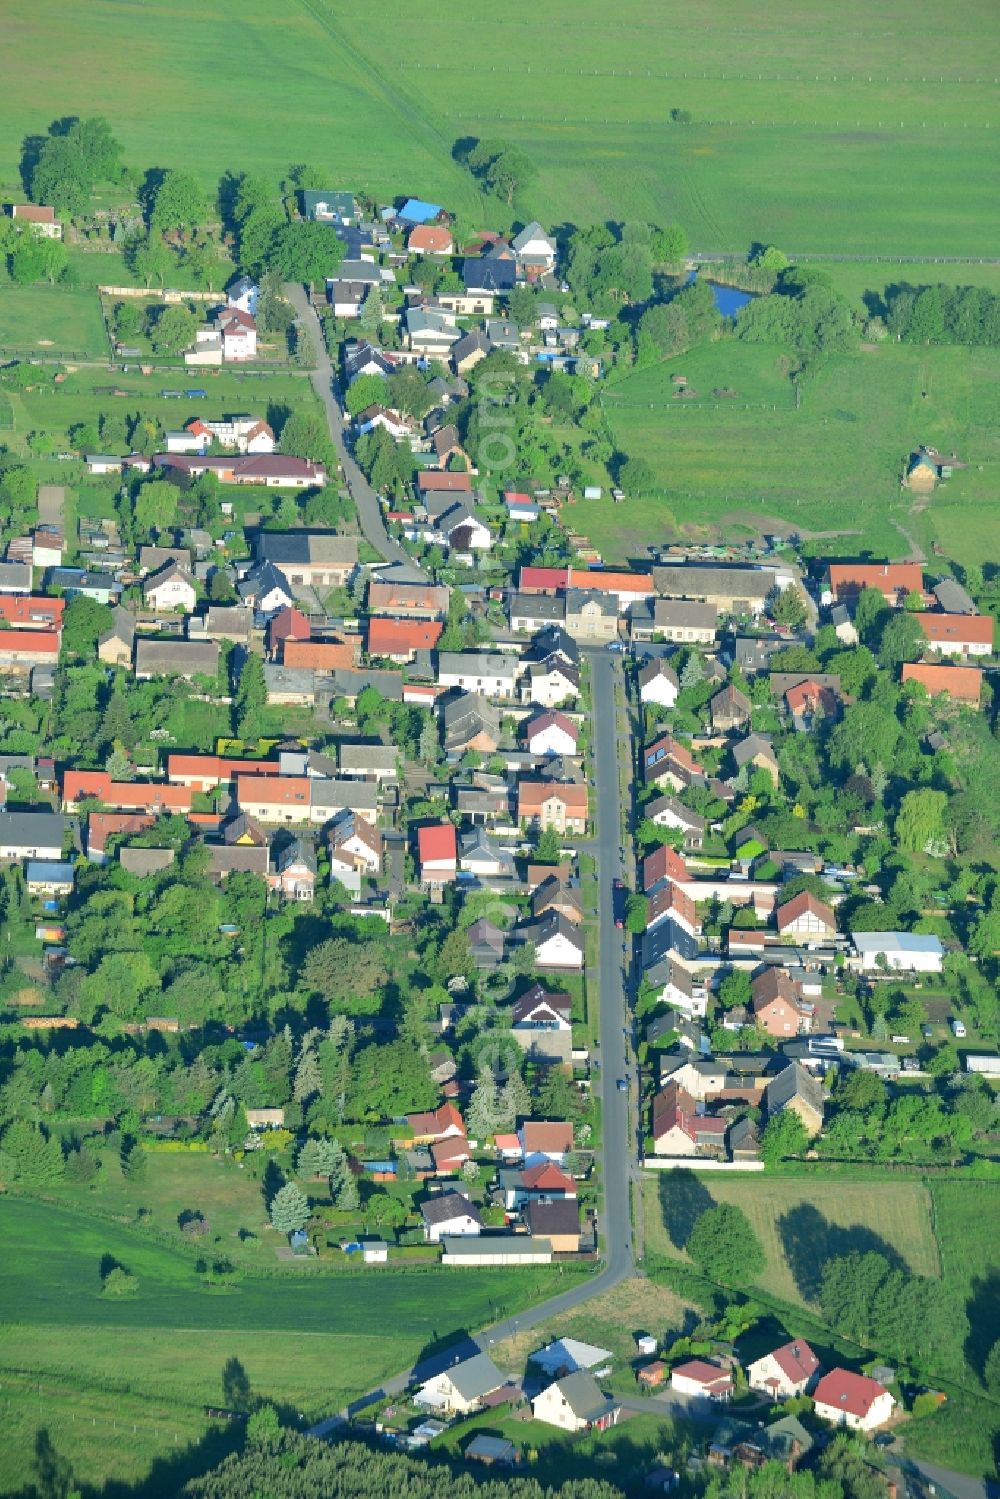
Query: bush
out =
(118, 1282)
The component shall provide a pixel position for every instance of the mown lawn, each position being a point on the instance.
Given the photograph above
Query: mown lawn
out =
(829, 469)
(800, 1222)
(51, 320)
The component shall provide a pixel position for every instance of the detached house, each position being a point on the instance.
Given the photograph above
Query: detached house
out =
(958, 634)
(557, 942)
(550, 682)
(437, 853)
(668, 812)
(789, 1371)
(488, 672)
(575, 1403)
(776, 1004)
(452, 1214)
(553, 804)
(170, 588)
(730, 709)
(591, 615)
(658, 684)
(806, 918)
(400, 639)
(470, 722)
(535, 251)
(551, 733)
(852, 1400)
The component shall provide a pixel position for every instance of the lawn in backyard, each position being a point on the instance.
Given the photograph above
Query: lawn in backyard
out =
(51, 320)
(800, 1222)
(830, 469)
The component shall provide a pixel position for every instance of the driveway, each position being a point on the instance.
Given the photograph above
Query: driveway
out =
(361, 492)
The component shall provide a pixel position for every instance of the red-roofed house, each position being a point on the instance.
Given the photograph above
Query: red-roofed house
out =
(400, 639)
(699, 1377)
(41, 217)
(274, 798)
(664, 863)
(321, 655)
(442, 1123)
(438, 481)
(788, 1371)
(666, 760)
(853, 1400)
(809, 699)
(28, 611)
(894, 580)
(288, 624)
(103, 825)
(670, 901)
(806, 917)
(450, 1155)
(958, 634)
(205, 772)
(138, 796)
(628, 588)
(553, 804)
(437, 853)
(22, 649)
(430, 239)
(552, 733)
(962, 683)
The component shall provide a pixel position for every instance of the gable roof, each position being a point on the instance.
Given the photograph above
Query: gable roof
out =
(387, 637)
(546, 1136)
(551, 719)
(796, 1360)
(963, 683)
(854, 1394)
(799, 905)
(535, 998)
(583, 1395)
(449, 1205)
(970, 629)
(437, 842)
(662, 864)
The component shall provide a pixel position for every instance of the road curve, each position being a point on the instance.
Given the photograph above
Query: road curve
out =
(617, 1154)
(364, 497)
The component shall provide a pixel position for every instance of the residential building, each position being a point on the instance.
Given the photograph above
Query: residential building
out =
(575, 1403)
(437, 853)
(558, 1222)
(270, 470)
(958, 634)
(898, 952)
(293, 872)
(408, 600)
(591, 615)
(484, 857)
(785, 1372)
(170, 588)
(853, 1400)
(730, 709)
(806, 918)
(40, 219)
(463, 1387)
(430, 239)
(553, 804)
(668, 812)
(658, 684)
(776, 1005)
(550, 682)
(470, 722)
(176, 658)
(32, 835)
(449, 1213)
(530, 612)
(557, 942)
(315, 559)
(626, 588)
(555, 893)
(757, 751)
(20, 650)
(963, 684)
(49, 879)
(893, 580)
(699, 1377)
(490, 673)
(551, 733)
(680, 621)
(732, 590)
(795, 1088)
(401, 639)
(133, 796)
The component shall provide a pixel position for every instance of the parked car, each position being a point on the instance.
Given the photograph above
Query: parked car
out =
(622, 1085)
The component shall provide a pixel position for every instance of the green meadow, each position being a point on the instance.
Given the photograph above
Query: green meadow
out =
(53, 320)
(823, 128)
(829, 469)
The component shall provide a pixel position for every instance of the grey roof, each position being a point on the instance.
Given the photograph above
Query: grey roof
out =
(358, 272)
(553, 640)
(684, 614)
(15, 575)
(170, 658)
(145, 861)
(262, 580)
(484, 935)
(791, 1082)
(122, 627)
(554, 665)
(470, 344)
(576, 598)
(698, 581)
(692, 820)
(953, 598)
(531, 231)
(466, 715)
(358, 796)
(488, 273)
(550, 924)
(32, 829)
(559, 1217)
(280, 680)
(237, 858)
(538, 606)
(297, 851)
(754, 744)
(346, 683)
(476, 1377)
(896, 942)
(583, 1395)
(448, 1205)
(231, 621)
(656, 669)
(659, 945)
(477, 663)
(752, 653)
(368, 757)
(490, 1449)
(286, 548)
(479, 1246)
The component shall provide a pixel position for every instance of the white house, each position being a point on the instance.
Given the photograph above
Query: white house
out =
(699, 1377)
(575, 1403)
(461, 1388)
(552, 733)
(484, 858)
(658, 684)
(556, 940)
(170, 588)
(238, 332)
(790, 1370)
(853, 1400)
(550, 682)
(903, 952)
(805, 918)
(535, 251)
(451, 1214)
(464, 531)
(487, 672)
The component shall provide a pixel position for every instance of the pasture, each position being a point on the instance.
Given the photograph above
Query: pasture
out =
(822, 128)
(51, 320)
(799, 1222)
(830, 469)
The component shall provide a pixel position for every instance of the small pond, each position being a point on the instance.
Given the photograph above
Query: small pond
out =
(728, 299)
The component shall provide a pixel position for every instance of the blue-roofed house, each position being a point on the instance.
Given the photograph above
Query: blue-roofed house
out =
(327, 207)
(416, 211)
(49, 877)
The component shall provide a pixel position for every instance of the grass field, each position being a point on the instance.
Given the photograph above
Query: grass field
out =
(800, 1222)
(823, 128)
(307, 1340)
(831, 468)
(51, 320)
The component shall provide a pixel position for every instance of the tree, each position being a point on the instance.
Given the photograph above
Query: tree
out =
(724, 1246)
(305, 435)
(29, 1156)
(178, 203)
(308, 1078)
(502, 169)
(305, 251)
(670, 244)
(149, 258)
(784, 1135)
(346, 972)
(920, 820)
(37, 259)
(547, 849)
(515, 1100)
(118, 1282)
(250, 699)
(636, 912)
(83, 621)
(155, 506)
(366, 390)
(289, 1209)
(343, 1186)
(320, 1158)
(636, 476)
(484, 1113)
(902, 640)
(788, 607)
(734, 990)
(385, 1213)
(174, 329)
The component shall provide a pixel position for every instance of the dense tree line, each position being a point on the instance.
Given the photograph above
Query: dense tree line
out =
(940, 314)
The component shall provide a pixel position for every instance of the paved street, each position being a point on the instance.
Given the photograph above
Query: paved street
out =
(364, 497)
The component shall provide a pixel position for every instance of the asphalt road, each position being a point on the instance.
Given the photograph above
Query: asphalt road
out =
(364, 497)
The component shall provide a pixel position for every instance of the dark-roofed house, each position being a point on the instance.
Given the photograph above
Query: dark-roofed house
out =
(470, 721)
(795, 1088)
(320, 559)
(559, 1222)
(452, 1214)
(32, 835)
(176, 658)
(757, 751)
(730, 709)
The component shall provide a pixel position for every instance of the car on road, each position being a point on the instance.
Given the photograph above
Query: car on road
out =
(622, 1085)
